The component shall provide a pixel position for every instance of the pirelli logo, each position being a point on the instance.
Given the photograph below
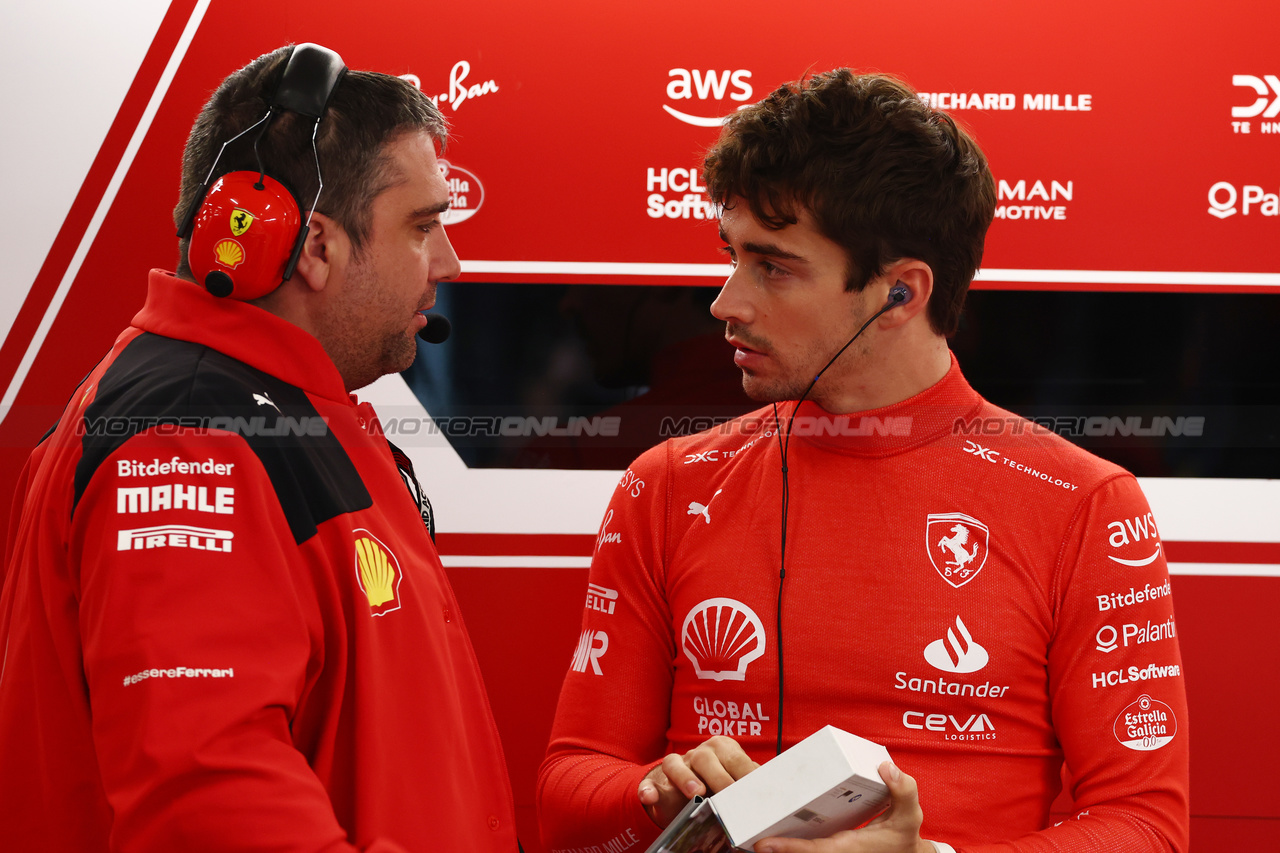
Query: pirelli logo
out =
(174, 536)
(377, 572)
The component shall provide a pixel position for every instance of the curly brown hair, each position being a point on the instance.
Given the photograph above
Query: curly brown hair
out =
(884, 176)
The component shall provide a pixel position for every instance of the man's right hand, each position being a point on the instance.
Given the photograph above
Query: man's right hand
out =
(711, 766)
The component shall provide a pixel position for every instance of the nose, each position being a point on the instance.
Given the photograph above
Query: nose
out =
(732, 305)
(445, 265)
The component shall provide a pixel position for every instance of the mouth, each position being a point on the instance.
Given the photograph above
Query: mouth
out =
(746, 357)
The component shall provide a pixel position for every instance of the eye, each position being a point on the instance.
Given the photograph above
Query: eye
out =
(733, 258)
(769, 271)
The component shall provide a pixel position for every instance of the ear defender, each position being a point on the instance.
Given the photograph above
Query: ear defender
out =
(247, 229)
(243, 238)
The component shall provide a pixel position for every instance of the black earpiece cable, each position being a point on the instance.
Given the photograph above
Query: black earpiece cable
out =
(896, 298)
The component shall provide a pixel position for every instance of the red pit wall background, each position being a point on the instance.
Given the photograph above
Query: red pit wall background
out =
(1167, 181)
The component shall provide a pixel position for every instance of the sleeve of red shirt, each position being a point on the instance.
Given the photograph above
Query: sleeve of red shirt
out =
(611, 722)
(199, 762)
(1125, 745)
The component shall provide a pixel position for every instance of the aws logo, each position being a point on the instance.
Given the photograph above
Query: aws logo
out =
(685, 84)
(1137, 530)
(377, 572)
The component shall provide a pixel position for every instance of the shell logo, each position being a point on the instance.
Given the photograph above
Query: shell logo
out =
(229, 253)
(721, 636)
(377, 572)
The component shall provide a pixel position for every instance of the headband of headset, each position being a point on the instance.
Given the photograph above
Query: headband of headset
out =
(246, 227)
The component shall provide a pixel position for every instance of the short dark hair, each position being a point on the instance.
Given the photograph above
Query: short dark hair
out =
(885, 176)
(366, 111)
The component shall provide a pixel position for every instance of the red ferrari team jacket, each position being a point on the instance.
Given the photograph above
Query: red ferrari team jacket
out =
(985, 599)
(225, 626)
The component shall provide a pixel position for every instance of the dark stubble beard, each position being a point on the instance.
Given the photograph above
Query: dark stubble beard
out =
(778, 389)
(365, 349)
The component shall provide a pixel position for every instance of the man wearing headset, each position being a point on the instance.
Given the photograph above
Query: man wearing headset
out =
(891, 554)
(225, 625)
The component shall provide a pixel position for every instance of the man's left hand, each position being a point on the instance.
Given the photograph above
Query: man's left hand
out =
(896, 830)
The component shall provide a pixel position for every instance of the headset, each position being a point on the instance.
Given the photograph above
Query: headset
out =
(899, 294)
(246, 228)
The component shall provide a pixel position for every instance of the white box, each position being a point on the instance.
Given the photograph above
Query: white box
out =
(826, 783)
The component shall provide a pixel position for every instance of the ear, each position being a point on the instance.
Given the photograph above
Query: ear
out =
(326, 253)
(917, 277)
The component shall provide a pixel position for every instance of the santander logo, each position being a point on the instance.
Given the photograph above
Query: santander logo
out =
(958, 653)
(685, 84)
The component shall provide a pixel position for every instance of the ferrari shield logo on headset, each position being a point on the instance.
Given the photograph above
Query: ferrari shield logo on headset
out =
(240, 221)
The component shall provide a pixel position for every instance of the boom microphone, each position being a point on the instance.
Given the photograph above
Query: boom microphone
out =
(437, 330)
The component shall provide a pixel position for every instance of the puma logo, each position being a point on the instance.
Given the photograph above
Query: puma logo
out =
(703, 510)
(264, 400)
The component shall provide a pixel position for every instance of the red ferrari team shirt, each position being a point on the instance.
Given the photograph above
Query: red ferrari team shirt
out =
(225, 624)
(985, 599)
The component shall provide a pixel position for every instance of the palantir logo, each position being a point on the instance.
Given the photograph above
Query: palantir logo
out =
(693, 84)
(1219, 206)
(721, 636)
(959, 654)
(1223, 197)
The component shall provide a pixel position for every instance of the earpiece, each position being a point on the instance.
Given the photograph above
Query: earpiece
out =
(243, 236)
(899, 294)
(246, 228)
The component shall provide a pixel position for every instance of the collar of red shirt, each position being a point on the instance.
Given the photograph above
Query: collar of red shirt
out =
(180, 309)
(891, 429)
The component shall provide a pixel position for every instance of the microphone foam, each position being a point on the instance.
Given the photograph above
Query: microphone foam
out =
(437, 330)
